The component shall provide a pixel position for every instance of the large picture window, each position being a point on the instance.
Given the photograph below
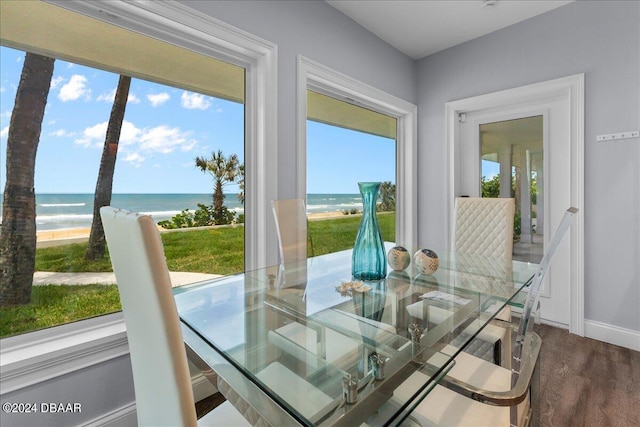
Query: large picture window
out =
(181, 106)
(338, 111)
(347, 144)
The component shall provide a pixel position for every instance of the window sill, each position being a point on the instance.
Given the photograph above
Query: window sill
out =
(38, 356)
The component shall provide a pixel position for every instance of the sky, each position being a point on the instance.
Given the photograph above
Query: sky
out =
(164, 129)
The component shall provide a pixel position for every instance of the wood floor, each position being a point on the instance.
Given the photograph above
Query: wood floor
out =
(588, 383)
(584, 383)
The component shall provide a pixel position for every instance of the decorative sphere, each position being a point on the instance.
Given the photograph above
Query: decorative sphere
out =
(426, 261)
(398, 258)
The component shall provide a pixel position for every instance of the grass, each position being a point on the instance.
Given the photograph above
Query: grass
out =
(340, 233)
(53, 305)
(218, 251)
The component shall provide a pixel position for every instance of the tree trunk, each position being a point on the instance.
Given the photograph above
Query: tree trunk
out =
(218, 199)
(104, 185)
(18, 235)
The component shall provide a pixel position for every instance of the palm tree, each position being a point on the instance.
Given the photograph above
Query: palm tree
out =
(18, 235)
(223, 170)
(387, 197)
(104, 185)
(241, 183)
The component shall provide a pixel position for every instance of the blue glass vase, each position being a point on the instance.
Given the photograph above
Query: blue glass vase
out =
(369, 261)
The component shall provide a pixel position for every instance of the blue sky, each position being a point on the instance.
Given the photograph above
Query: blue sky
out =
(164, 129)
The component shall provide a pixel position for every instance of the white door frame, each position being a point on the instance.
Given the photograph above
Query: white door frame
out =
(312, 75)
(572, 89)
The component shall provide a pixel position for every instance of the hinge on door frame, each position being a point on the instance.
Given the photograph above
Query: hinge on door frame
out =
(462, 117)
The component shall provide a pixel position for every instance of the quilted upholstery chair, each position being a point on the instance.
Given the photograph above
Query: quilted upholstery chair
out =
(479, 393)
(161, 379)
(484, 227)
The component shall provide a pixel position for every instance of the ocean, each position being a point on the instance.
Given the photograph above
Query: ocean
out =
(65, 211)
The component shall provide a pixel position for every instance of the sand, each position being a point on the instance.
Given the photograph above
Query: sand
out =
(80, 233)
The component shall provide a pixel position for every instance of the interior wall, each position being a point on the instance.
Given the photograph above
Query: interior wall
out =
(602, 40)
(319, 32)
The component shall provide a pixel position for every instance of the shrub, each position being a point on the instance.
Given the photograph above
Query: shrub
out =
(203, 216)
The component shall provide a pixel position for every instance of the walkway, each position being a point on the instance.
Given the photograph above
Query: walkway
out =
(49, 278)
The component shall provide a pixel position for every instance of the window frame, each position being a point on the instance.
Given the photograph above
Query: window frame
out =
(319, 78)
(39, 356)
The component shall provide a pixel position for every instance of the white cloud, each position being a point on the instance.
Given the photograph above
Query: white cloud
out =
(2, 89)
(160, 139)
(193, 101)
(134, 158)
(157, 99)
(61, 132)
(111, 95)
(93, 135)
(6, 114)
(4, 132)
(56, 81)
(163, 139)
(74, 89)
(129, 133)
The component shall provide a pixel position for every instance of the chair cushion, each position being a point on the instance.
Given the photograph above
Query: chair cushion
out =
(482, 346)
(224, 415)
(444, 407)
(298, 392)
(301, 342)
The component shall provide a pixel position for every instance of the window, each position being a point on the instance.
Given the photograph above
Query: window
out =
(347, 144)
(398, 119)
(196, 86)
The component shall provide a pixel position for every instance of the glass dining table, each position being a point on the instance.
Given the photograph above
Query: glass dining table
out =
(305, 344)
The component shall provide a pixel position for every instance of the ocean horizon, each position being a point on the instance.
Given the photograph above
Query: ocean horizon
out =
(59, 211)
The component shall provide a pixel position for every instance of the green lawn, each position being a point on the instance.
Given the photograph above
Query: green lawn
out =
(53, 305)
(218, 251)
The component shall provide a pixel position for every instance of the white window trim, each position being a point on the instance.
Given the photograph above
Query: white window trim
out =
(312, 75)
(42, 355)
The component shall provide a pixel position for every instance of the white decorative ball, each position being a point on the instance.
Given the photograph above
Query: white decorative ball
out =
(398, 258)
(426, 261)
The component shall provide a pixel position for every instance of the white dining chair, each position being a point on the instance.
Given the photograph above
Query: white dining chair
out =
(482, 230)
(478, 393)
(290, 217)
(483, 226)
(161, 378)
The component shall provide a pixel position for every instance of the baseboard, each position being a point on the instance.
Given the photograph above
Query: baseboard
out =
(202, 387)
(604, 332)
(123, 417)
(612, 334)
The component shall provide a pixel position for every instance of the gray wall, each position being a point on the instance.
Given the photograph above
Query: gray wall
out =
(100, 390)
(321, 33)
(602, 40)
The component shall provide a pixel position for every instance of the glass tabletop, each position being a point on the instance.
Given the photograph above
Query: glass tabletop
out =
(331, 351)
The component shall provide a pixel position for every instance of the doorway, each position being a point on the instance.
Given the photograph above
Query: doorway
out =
(559, 174)
(512, 166)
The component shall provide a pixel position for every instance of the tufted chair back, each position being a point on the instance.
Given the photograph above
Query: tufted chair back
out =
(484, 226)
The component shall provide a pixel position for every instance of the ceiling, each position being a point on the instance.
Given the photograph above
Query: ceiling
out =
(421, 28)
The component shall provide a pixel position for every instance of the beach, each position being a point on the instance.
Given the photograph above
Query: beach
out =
(75, 235)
